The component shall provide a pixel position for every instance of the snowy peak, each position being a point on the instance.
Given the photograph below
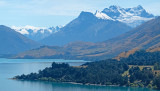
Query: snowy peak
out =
(139, 7)
(114, 7)
(36, 33)
(114, 11)
(101, 15)
(139, 11)
(131, 16)
(93, 16)
(26, 30)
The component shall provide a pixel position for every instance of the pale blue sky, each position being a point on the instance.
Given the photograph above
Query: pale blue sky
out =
(46, 13)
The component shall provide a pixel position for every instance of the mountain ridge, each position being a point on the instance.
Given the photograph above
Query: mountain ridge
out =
(130, 16)
(87, 27)
(144, 36)
(36, 33)
(14, 42)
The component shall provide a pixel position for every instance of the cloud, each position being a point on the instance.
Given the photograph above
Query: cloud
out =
(66, 7)
(50, 7)
(60, 12)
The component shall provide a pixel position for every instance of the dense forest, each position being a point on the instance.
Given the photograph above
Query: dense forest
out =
(142, 57)
(140, 69)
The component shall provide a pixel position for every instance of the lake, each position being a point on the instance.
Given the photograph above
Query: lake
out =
(12, 67)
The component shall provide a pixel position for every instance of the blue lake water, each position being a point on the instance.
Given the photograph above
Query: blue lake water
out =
(12, 67)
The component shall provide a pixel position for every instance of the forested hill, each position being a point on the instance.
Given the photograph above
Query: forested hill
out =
(102, 72)
(141, 69)
(142, 57)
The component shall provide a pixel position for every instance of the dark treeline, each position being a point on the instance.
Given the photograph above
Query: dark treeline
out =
(142, 58)
(106, 72)
(101, 72)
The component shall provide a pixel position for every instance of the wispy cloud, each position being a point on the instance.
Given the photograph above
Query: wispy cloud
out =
(60, 12)
(65, 7)
(50, 7)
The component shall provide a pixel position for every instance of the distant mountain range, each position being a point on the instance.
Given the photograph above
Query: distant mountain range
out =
(100, 26)
(87, 27)
(144, 36)
(130, 16)
(36, 33)
(82, 38)
(90, 27)
(13, 42)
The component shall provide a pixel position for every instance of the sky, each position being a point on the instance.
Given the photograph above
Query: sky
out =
(48, 13)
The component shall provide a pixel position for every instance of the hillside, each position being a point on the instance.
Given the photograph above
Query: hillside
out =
(74, 50)
(130, 52)
(142, 37)
(13, 42)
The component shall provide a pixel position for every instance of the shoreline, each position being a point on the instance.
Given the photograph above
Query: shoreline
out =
(74, 83)
(87, 84)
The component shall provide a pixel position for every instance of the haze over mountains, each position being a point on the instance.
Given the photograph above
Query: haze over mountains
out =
(143, 37)
(100, 26)
(90, 36)
(90, 27)
(36, 33)
(13, 42)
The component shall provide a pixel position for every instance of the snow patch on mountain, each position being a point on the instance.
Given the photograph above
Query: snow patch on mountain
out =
(102, 15)
(28, 27)
(36, 33)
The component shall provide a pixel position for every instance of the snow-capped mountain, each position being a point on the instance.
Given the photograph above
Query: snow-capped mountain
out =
(87, 27)
(36, 33)
(131, 16)
(98, 23)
